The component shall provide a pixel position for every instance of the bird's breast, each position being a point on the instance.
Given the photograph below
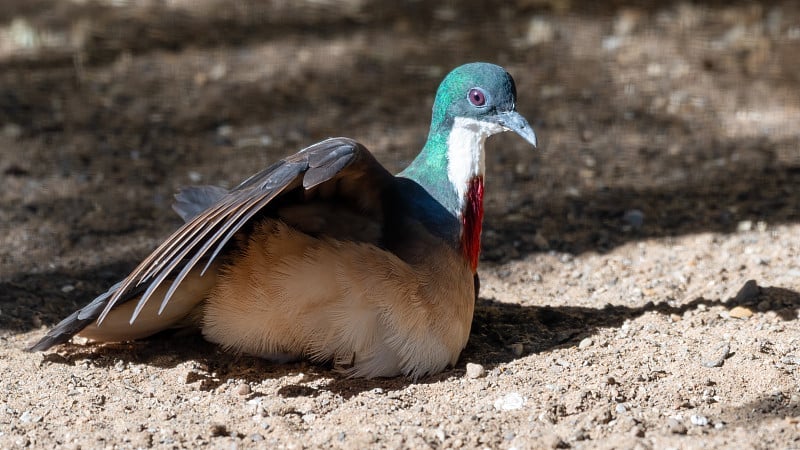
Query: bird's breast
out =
(472, 221)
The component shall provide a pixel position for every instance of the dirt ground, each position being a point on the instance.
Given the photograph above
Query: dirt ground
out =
(616, 309)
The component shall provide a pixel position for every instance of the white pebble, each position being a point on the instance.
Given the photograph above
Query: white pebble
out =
(509, 402)
(475, 370)
(698, 420)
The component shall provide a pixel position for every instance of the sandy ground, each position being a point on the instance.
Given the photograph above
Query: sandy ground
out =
(616, 309)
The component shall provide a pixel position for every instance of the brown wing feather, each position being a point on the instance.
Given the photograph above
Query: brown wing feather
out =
(322, 163)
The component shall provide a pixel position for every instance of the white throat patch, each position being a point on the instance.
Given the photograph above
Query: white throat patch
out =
(465, 152)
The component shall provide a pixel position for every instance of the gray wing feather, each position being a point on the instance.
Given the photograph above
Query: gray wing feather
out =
(191, 201)
(76, 321)
(220, 221)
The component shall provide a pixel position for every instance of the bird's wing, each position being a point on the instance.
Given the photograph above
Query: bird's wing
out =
(192, 200)
(330, 162)
(338, 167)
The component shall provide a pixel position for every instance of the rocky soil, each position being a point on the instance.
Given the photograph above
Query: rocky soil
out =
(640, 272)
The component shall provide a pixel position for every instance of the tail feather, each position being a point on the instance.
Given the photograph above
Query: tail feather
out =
(117, 326)
(77, 321)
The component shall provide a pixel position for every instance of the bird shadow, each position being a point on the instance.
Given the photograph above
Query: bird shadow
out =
(501, 333)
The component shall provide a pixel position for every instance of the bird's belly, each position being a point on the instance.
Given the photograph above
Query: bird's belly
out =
(359, 306)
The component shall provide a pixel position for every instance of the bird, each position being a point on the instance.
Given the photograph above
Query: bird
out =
(327, 256)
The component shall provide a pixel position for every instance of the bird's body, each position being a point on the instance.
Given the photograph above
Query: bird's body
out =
(325, 254)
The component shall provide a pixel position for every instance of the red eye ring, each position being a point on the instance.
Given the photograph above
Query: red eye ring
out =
(476, 97)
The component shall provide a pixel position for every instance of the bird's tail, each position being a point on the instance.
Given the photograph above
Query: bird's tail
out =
(117, 326)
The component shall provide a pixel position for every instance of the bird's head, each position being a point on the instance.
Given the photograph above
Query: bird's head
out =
(483, 95)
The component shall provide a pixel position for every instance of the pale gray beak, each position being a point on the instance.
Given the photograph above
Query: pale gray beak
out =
(514, 121)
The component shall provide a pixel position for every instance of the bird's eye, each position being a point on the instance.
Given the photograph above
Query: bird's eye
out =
(477, 97)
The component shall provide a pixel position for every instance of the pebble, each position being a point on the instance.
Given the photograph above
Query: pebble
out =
(717, 357)
(553, 441)
(540, 31)
(218, 429)
(620, 409)
(475, 370)
(540, 241)
(676, 427)
(517, 349)
(748, 292)
(509, 402)
(634, 218)
(698, 420)
(243, 389)
(11, 130)
(585, 343)
(740, 312)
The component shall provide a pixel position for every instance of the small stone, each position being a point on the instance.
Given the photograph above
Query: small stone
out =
(218, 429)
(748, 292)
(11, 130)
(745, 225)
(540, 241)
(540, 31)
(509, 402)
(634, 218)
(194, 176)
(475, 370)
(255, 437)
(676, 427)
(553, 441)
(243, 389)
(674, 317)
(579, 434)
(620, 409)
(717, 357)
(740, 312)
(698, 420)
(585, 343)
(67, 288)
(517, 349)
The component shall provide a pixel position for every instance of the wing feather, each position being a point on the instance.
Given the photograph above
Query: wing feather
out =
(217, 224)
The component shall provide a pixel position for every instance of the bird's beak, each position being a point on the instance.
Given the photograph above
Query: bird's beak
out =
(513, 121)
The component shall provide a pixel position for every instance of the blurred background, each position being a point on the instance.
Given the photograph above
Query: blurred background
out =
(653, 120)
